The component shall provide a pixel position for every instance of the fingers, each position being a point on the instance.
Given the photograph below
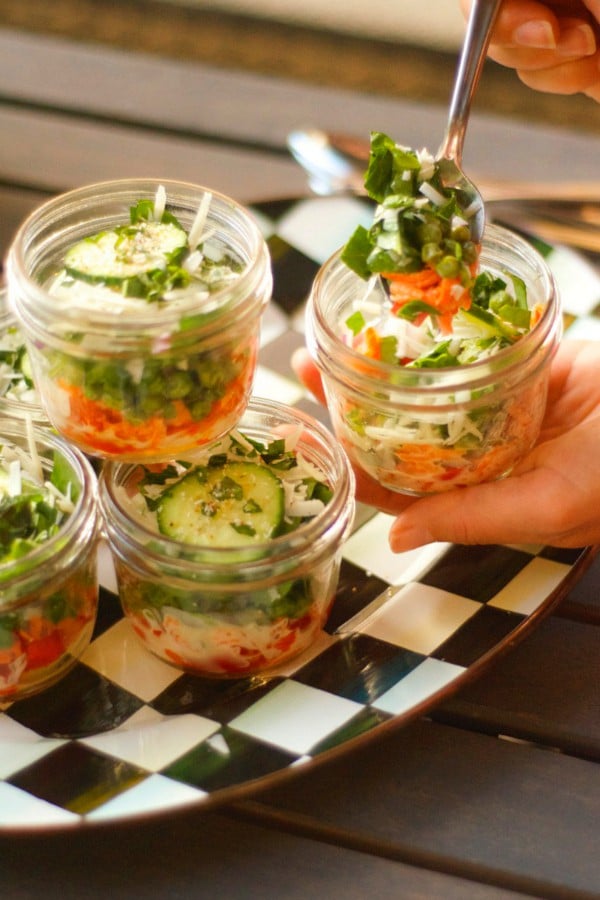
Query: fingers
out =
(552, 498)
(374, 494)
(553, 46)
(534, 507)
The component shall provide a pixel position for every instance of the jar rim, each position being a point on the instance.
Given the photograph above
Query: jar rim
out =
(79, 528)
(337, 357)
(333, 520)
(228, 300)
(8, 406)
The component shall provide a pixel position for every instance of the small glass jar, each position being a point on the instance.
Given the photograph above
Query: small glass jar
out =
(49, 596)
(133, 379)
(231, 612)
(425, 430)
(18, 396)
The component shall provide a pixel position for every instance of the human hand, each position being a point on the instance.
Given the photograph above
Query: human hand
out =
(552, 497)
(554, 46)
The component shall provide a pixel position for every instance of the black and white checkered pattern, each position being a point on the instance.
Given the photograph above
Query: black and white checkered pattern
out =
(125, 735)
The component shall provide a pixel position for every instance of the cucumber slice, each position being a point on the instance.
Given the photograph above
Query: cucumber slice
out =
(112, 257)
(234, 505)
(488, 325)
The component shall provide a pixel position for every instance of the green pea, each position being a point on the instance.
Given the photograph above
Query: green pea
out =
(452, 248)
(431, 253)
(461, 233)
(150, 404)
(448, 267)
(178, 384)
(430, 233)
(469, 252)
(199, 409)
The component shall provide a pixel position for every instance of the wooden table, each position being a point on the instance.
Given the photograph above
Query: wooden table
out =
(496, 793)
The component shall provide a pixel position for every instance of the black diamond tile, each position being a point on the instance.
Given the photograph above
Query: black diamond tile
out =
(275, 209)
(566, 555)
(83, 703)
(293, 273)
(478, 635)
(210, 766)
(359, 668)
(358, 725)
(77, 778)
(109, 612)
(356, 589)
(220, 700)
(476, 572)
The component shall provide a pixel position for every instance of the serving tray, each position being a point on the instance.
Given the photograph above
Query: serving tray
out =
(126, 737)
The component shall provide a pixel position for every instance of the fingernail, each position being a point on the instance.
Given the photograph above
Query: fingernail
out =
(538, 35)
(579, 40)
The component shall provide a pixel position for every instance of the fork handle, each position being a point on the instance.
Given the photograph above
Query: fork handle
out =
(472, 57)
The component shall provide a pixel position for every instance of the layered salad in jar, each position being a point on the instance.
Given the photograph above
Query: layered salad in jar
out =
(212, 593)
(144, 338)
(48, 591)
(427, 313)
(18, 393)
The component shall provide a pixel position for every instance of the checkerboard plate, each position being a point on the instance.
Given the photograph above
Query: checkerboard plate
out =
(126, 736)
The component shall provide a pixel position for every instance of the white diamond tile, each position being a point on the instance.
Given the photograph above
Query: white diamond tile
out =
(106, 569)
(18, 809)
(273, 324)
(151, 740)
(20, 746)
(268, 383)
(295, 716)
(369, 548)
(419, 617)
(119, 655)
(336, 220)
(581, 294)
(156, 794)
(429, 676)
(586, 328)
(531, 586)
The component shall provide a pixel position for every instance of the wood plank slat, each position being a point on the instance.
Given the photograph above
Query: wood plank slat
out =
(53, 153)
(198, 99)
(504, 810)
(582, 603)
(211, 855)
(546, 690)
(15, 204)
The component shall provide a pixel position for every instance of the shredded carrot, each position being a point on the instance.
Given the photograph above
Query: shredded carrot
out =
(426, 285)
(422, 279)
(108, 431)
(371, 343)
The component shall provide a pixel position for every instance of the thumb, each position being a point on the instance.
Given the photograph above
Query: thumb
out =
(500, 512)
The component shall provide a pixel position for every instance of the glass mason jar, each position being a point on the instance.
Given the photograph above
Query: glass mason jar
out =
(18, 396)
(49, 595)
(425, 430)
(231, 611)
(130, 378)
